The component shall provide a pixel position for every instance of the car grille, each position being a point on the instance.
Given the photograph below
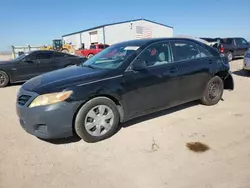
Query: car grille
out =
(23, 99)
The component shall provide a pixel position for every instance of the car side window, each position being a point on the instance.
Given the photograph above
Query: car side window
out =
(58, 55)
(157, 54)
(185, 50)
(204, 52)
(240, 41)
(31, 56)
(92, 47)
(44, 55)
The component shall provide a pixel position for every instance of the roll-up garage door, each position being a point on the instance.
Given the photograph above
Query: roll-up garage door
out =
(93, 37)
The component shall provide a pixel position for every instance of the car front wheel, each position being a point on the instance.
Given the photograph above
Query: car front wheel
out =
(4, 79)
(97, 120)
(213, 91)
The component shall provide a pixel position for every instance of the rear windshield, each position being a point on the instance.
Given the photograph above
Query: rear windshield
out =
(226, 41)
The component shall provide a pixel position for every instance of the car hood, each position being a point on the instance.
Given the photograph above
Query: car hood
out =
(63, 78)
(5, 62)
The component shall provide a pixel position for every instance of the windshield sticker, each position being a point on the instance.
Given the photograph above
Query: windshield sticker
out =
(131, 48)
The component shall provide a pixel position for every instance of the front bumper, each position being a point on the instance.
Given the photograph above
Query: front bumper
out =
(47, 122)
(246, 65)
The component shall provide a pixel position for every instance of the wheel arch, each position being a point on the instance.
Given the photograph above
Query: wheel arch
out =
(90, 54)
(227, 79)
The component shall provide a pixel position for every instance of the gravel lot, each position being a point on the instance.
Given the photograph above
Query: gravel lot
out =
(150, 152)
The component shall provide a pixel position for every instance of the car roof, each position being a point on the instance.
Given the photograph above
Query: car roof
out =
(41, 51)
(148, 41)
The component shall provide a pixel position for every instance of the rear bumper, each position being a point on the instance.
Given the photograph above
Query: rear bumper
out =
(48, 122)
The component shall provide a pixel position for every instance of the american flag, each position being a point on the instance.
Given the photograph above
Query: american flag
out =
(143, 32)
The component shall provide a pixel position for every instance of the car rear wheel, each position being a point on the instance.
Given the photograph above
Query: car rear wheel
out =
(230, 56)
(97, 120)
(4, 79)
(213, 92)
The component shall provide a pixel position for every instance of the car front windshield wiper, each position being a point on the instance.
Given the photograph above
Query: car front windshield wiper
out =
(90, 66)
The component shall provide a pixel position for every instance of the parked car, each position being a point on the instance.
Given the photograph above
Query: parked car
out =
(31, 64)
(94, 49)
(141, 77)
(233, 47)
(246, 65)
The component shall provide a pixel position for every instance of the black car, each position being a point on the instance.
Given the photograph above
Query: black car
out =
(29, 65)
(124, 81)
(233, 47)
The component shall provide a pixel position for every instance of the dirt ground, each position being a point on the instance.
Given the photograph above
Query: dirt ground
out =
(5, 57)
(150, 152)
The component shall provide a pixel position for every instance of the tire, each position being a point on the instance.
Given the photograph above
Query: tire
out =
(4, 79)
(230, 56)
(90, 112)
(213, 97)
(90, 55)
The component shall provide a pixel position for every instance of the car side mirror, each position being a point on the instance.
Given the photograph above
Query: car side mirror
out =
(139, 65)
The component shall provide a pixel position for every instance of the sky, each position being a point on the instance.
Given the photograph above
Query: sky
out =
(38, 22)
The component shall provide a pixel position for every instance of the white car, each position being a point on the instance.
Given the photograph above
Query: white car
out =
(246, 65)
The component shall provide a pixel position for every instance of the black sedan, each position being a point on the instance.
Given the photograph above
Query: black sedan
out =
(33, 64)
(124, 81)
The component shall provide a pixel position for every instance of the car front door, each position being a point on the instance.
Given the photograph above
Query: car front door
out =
(26, 68)
(153, 87)
(194, 65)
(44, 59)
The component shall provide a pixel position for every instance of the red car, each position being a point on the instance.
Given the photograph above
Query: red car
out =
(94, 49)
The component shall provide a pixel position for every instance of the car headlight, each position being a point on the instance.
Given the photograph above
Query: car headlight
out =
(50, 98)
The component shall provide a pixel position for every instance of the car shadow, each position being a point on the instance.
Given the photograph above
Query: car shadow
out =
(158, 114)
(237, 58)
(127, 124)
(15, 84)
(61, 141)
(241, 72)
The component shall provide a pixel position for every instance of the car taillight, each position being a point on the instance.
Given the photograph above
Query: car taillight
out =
(222, 50)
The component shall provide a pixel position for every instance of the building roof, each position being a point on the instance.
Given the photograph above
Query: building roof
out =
(100, 26)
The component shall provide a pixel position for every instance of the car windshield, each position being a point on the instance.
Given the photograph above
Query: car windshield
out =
(111, 57)
(20, 57)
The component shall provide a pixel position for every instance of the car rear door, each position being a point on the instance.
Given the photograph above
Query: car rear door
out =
(194, 66)
(62, 60)
(156, 86)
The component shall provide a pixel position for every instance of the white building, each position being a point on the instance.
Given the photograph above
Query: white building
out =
(118, 32)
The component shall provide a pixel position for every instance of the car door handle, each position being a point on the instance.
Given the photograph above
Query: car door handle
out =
(210, 61)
